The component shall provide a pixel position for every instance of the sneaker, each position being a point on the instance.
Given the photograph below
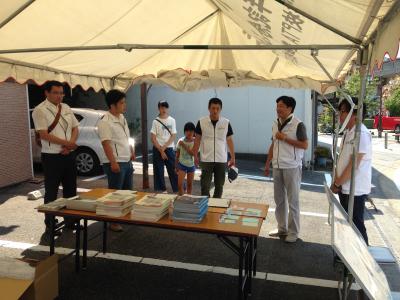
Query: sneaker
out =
(277, 233)
(291, 238)
(115, 227)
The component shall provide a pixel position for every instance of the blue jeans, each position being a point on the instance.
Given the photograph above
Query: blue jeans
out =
(158, 169)
(122, 180)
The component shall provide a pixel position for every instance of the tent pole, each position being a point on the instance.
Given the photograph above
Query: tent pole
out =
(130, 47)
(319, 22)
(356, 141)
(16, 13)
(380, 86)
(145, 148)
(364, 66)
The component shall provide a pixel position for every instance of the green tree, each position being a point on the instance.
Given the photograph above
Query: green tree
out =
(353, 86)
(325, 119)
(392, 104)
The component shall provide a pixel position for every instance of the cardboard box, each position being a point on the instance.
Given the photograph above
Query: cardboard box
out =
(44, 286)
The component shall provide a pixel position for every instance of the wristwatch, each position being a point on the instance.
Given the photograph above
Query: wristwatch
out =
(337, 186)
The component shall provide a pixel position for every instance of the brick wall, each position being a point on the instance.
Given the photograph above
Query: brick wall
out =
(15, 158)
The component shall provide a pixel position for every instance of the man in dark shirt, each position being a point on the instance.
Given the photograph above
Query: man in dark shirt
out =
(214, 135)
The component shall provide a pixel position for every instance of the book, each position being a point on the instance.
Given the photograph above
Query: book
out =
(120, 212)
(151, 207)
(248, 221)
(189, 215)
(145, 216)
(190, 199)
(195, 221)
(188, 208)
(116, 198)
(228, 219)
(82, 204)
(219, 202)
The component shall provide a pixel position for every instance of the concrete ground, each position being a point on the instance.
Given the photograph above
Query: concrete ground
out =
(149, 263)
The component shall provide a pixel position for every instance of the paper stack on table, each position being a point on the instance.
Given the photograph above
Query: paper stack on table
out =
(219, 202)
(116, 204)
(151, 207)
(79, 203)
(54, 205)
(188, 208)
(244, 211)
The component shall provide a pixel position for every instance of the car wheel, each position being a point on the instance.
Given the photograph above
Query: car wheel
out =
(397, 129)
(87, 162)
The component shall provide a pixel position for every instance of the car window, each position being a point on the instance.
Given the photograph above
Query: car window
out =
(78, 117)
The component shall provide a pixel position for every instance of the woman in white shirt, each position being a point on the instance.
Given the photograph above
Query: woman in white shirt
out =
(163, 133)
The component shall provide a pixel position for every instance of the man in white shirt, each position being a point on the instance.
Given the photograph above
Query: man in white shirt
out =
(163, 133)
(114, 135)
(289, 140)
(363, 175)
(58, 130)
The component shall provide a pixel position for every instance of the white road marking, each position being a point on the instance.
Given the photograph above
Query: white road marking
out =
(94, 178)
(305, 213)
(270, 179)
(306, 281)
(397, 178)
(140, 156)
(178, 265)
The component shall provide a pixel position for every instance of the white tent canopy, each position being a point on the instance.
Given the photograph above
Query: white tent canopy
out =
(95, 34)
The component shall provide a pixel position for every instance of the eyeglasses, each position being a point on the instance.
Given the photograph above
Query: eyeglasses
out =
(57, 93)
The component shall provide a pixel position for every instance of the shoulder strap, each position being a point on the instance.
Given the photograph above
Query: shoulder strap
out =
(164, 126)
(56, 119)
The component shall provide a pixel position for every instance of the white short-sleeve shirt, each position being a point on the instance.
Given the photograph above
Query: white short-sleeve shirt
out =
(364, 171)
(43, 116)
(161, 133)
(116, 130)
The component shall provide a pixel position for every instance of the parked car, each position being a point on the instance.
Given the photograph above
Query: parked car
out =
(388, 123)
(90, 153)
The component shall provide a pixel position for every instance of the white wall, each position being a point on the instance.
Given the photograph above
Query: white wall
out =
(251, 111)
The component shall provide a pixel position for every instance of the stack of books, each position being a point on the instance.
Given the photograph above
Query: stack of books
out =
(79, 203)
(151, 207)
(188, 208)
(115, 204)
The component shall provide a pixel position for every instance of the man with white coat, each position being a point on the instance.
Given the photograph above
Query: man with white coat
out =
(289, 140)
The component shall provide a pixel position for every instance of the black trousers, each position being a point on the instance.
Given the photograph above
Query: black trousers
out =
(59, 169)
(358, 212)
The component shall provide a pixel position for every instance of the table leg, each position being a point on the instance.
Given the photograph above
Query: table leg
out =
(104, 237)
(85, 244)
(250, 258)
(247, 253)
(77, 244)
(254, 258)
(240, 279)
(52, 233)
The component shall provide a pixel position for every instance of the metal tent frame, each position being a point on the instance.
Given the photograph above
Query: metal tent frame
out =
(364, 60)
